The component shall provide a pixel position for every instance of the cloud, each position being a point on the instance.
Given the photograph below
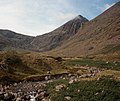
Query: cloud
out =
(34, 17)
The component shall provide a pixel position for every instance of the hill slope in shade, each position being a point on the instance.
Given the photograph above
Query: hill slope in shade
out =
(56, 38)
(10, 39)
(98, 36)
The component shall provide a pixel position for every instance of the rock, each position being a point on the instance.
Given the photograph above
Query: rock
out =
(67, 88)
(46, 78)
(32, 97)
(42, 95)
(1, 93)
(78, 90)
(61, 77)
(49, 81)
(75, 80)
(44, 85)
(26, 97)
(20, 82)
(8, 97)
(59, 87)
(69, 75)
(5, 87)
(19, 90)
(18, 99)
(48, 72)
(98, 79)
(71, 81)
(2, 89)
(46, 99)
(39, 90)
(107, 62)
(15, 94)
(72, 77)
(68, 97)
(89, 75)
(96, 93)
(116, 64)
(15, 84)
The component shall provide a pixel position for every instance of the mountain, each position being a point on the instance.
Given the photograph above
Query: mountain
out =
(98, 36)
(78, 37)
(42, 43)
(56, 38)
(10, 39)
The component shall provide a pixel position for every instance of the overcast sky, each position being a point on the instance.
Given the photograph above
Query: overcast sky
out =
(36, 17)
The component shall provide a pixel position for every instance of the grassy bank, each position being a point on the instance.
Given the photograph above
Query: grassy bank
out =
(94, 63)
(104, 89)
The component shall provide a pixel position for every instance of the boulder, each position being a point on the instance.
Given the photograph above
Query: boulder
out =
(68, 97)
(59, 87)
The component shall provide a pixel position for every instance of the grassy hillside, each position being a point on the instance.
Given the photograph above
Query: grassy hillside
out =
(98, 36)
(16, 66)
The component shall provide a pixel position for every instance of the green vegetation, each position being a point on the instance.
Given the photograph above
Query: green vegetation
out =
(94, 63)
(12, 58)
(105, 86)
(16, 66)
(111, 48)
(51, 86)
(104, 89)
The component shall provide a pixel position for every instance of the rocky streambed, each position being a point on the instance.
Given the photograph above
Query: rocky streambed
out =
(32, 90)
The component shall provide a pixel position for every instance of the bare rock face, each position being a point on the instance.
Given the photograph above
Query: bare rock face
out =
(55, 38)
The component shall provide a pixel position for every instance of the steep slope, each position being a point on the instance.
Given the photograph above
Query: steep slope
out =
(98, 36)
(10, 39)
(55, 38)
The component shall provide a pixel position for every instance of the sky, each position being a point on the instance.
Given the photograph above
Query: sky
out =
(37, 17)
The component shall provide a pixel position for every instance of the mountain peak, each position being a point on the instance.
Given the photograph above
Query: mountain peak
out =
(80, 17)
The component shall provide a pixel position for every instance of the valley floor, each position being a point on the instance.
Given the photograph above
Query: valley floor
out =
(58, 79)
(102, 86)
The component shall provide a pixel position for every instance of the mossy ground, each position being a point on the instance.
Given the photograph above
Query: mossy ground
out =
(104, 89)
(94, 63)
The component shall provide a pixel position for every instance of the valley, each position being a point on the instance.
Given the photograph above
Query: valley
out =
(78, 61)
